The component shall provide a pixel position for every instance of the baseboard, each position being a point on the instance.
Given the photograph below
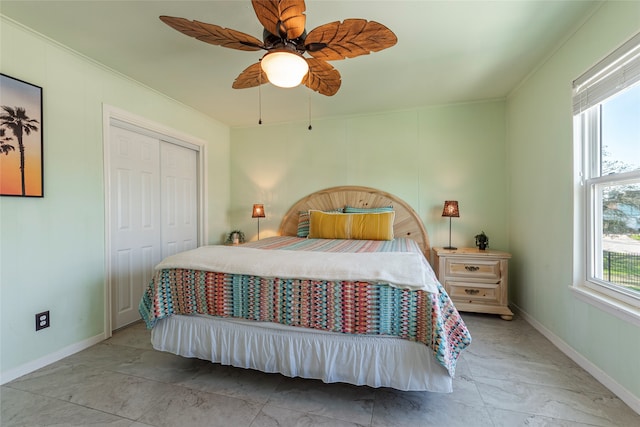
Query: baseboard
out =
(625, 395)
(34, 365)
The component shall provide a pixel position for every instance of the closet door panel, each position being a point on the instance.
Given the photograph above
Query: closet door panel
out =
(134, 200)
(179, 201)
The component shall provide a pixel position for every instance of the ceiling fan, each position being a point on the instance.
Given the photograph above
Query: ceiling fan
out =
(286, 41)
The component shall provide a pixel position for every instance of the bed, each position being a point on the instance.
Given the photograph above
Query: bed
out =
(365, 311)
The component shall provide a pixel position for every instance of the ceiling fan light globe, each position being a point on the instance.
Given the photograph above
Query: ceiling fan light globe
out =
(284, 68)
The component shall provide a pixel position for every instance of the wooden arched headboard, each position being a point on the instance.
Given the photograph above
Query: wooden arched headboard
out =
(407, 222)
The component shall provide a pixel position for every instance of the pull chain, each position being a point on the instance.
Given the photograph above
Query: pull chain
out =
(310, 111)
(260, 98)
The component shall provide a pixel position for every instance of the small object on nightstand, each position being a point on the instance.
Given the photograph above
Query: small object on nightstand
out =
(235, 238)
(476, 280)
(482, 241)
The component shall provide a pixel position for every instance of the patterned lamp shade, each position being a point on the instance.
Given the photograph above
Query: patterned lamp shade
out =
(451, 209)
(258, 211)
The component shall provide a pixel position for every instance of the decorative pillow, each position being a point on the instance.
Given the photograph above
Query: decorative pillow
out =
(357, 226)
(350, 209)
(303, 222)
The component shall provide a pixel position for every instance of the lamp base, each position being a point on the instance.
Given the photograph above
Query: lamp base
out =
(449, 247)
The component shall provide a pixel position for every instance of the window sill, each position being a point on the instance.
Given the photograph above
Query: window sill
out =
(608, 304)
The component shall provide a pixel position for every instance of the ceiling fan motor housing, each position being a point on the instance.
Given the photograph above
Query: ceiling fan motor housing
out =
(271, 41)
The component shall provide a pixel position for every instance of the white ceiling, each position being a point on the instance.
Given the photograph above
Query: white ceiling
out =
(447, 51)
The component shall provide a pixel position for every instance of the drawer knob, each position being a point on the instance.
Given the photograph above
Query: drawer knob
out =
(471, 268)
(472, 291)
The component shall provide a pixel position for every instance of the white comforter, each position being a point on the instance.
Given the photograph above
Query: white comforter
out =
(405, 270)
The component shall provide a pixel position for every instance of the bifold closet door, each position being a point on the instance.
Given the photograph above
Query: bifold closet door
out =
(135, 222)
(153, 192)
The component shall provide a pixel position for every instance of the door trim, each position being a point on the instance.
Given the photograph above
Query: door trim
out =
(121, 118)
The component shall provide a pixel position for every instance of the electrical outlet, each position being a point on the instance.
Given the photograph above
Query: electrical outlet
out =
(42, 320)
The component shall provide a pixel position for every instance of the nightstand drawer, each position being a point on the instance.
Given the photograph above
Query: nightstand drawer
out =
(470, 292)
(477, 269)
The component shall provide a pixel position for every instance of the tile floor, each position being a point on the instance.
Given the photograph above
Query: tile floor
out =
(510, 376)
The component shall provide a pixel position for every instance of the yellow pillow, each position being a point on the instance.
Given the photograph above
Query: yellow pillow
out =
(372, 226)
(359, 226)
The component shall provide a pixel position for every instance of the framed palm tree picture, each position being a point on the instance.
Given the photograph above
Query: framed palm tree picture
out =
(21, 155)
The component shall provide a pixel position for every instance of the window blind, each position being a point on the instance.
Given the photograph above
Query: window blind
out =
(616, 72)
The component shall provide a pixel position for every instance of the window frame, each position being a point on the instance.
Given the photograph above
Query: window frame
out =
(591, 89)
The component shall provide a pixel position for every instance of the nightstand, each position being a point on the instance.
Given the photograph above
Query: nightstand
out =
(475, 280)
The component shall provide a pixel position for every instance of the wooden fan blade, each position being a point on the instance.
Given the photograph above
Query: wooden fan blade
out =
(284, 18)
(214, 34)
(351, 38)
(252, 76)
(322, 77)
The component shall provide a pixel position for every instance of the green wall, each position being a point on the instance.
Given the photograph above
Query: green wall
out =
(540, 142)
(425, 156)
(53, 248)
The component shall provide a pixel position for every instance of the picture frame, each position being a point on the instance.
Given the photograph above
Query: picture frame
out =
(21, 138)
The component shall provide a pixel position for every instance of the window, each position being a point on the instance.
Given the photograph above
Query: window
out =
(607, 131)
